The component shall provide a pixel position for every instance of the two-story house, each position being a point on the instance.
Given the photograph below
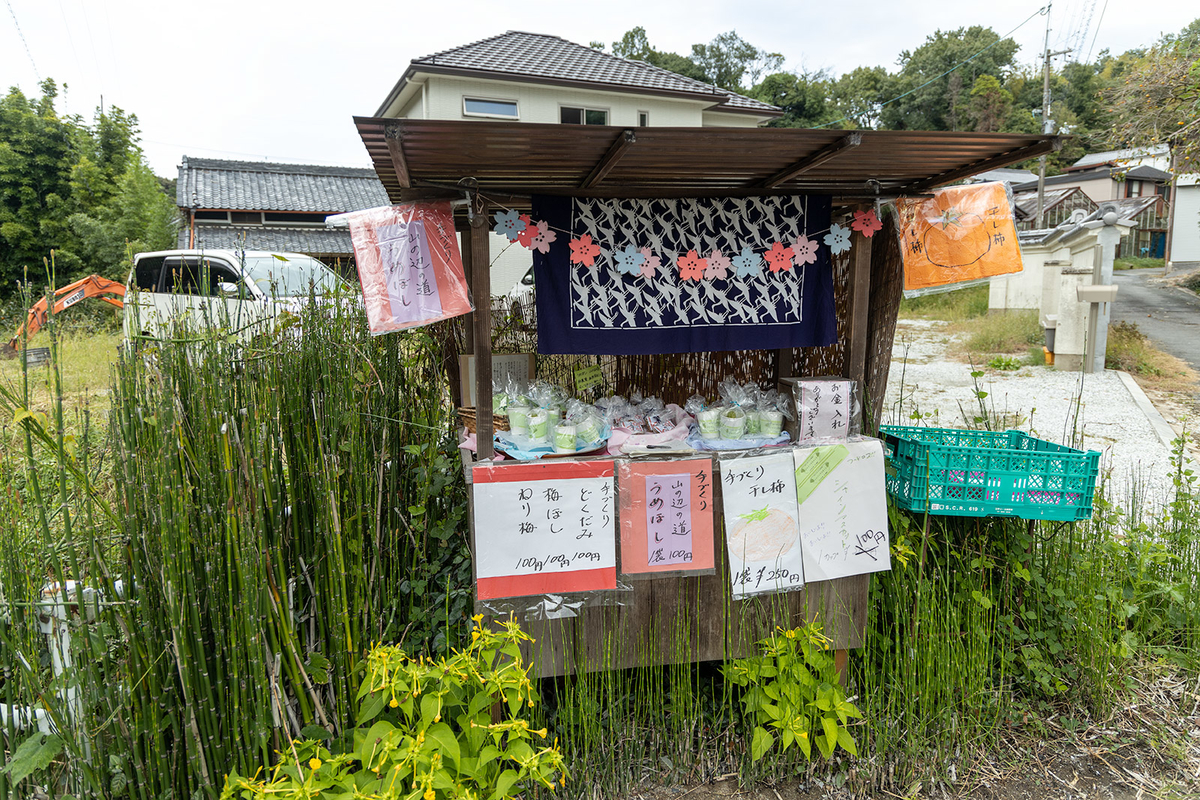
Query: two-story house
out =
(530, 77)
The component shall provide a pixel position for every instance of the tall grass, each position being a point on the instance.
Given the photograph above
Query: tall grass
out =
(274, 510)
(255, 517)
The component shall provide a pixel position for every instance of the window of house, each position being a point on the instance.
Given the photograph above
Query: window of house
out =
(246, 217)
(643, 119)
(211, 216)
(570, 115)
(294, 217)
(485, 107)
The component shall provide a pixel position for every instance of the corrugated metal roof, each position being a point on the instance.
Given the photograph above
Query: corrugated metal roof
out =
(519, 158)
(312, 241)
(266, 186)
(1096, 159)
(529, 57)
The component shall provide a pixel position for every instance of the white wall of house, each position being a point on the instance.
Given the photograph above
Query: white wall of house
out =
(1023, 289)
(443, 99)
(1185, 240)
(1100, 188)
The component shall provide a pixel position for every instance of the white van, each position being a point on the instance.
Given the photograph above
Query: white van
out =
(241, 292)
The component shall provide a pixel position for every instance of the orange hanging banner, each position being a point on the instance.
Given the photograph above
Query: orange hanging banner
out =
(961, 234)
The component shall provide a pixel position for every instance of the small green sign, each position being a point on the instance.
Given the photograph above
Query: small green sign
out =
(588, 377)
(816, 468)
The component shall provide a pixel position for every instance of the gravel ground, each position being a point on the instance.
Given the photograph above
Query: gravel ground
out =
(926, 379)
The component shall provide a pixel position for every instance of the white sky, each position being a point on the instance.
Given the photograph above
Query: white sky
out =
(280, 81)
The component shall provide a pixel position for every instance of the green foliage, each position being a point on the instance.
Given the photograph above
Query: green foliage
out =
(80, 191)
(425, 731)
(730, 62)
(35, 753)
(803, 99)
(793, 689)
(944, 103)
(990, 104)
(1005, 363)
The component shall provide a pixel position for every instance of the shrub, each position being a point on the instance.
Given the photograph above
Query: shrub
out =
(431, 733)
(793, 688)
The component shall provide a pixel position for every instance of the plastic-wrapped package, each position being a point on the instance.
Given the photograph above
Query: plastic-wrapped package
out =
(409, 265)
(665, 511)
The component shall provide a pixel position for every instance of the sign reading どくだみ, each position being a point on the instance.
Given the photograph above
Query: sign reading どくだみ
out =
(544, 528)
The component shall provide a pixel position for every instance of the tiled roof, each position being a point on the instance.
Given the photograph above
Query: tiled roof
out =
(265, 186)
(526, 56)
(313, 241)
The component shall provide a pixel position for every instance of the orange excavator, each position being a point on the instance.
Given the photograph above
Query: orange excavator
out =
(110, 292)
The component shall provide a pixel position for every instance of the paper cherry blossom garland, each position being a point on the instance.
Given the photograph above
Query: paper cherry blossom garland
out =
(521, 228)
(866, 222)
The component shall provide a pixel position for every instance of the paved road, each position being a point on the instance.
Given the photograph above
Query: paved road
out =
(1169, 316)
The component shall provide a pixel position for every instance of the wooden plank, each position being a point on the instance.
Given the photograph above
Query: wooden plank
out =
(826, 153)
(859, 305)
(399, 162)
(610, 159)
(481, 295)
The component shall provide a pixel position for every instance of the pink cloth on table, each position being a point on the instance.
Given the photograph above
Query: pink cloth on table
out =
(679, 432)
(470, 444)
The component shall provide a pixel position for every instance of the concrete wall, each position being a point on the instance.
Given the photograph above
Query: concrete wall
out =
(1022, 289)
(1099, 189)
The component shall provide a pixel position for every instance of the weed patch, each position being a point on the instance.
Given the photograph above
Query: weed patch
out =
(1129, 350)
(1138, 263)
(955, 306)
(1003, 333)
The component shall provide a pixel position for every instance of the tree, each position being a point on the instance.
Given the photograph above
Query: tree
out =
(803, 98)
(859, 95)
(728, 60)
(82, 191)
(940, 105)
(990, 104)
(635, 45)
(1158, 99)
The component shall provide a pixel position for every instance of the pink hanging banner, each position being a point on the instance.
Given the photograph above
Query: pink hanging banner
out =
(409, 265)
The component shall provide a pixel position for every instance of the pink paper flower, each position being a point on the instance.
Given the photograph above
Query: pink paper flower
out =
(543, 237)
(779, 257)
(583, 251)
(718, 266)
(866, 223)
(691, 266)
(651, 265)
(804, 251)
(526, 234)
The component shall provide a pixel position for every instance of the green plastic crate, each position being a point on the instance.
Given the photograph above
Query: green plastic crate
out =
(988, 474)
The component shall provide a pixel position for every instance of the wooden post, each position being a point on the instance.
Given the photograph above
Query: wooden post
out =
(481, 294)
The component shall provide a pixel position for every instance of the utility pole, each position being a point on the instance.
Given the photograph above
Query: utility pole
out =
(1047, 126)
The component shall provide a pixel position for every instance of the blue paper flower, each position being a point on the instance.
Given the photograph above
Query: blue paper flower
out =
(630, 260)
(838, 239)
(747, 263)
(509, 223)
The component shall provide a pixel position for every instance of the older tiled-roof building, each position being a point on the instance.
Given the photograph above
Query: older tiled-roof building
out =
(271, 206)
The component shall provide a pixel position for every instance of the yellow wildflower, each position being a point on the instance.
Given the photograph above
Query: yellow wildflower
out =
(314, 763)
(478, 619)
(790, 634)
(394, 703)
(542, 733)
(429, 795)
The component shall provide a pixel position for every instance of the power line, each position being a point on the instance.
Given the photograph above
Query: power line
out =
(1097, 33)
(17, 25)
(962, 63)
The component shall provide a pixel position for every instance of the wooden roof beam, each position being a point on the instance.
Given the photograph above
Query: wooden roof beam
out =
(816, 159)
(396, 152)
(610, 159)
(995, 162)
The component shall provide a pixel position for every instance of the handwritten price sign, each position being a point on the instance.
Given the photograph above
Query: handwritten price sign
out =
(666, 516)
(544, 528)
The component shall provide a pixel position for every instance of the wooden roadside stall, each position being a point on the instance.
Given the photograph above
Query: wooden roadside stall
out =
(503, 165)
